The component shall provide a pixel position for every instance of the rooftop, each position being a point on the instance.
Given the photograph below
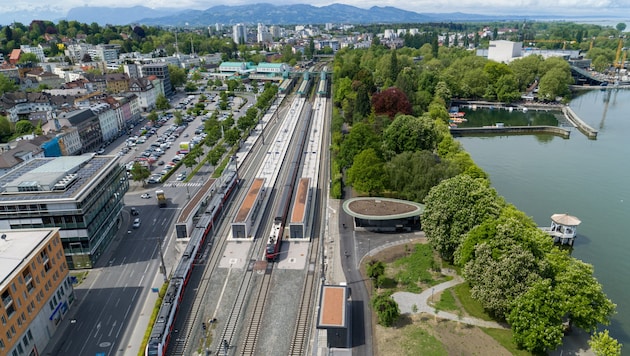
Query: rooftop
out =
(15, 246)
(375, 208)
(52, 178)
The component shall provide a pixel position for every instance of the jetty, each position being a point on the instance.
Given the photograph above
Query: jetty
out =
(563, 228)
(575, 120)
(512, 130)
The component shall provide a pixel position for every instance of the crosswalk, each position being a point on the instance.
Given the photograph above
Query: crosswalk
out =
(184, 184)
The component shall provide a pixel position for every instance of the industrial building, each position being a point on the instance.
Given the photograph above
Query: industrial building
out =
(35, 289)
(81, 195)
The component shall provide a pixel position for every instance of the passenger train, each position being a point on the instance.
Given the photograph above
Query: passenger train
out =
(274, 241)
(162, 329)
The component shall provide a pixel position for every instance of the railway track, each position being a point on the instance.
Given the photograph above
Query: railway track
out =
(256, 317)
(299, 343)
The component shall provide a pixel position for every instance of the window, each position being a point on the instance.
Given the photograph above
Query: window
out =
(4, 320)
(25, 341)
(10, 310)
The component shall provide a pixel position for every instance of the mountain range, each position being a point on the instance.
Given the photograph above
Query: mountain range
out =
(249, 14)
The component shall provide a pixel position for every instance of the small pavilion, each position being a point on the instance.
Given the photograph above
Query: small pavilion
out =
(563, 228)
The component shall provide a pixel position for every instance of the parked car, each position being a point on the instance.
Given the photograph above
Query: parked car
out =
(160, 163)
(136, 223)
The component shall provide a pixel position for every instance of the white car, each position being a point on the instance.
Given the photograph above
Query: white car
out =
(145, 196)
(136, 223)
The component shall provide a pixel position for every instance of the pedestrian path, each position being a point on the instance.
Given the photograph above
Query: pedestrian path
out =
(418, 303)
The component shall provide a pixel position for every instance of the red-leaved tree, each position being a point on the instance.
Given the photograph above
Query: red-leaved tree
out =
(391, 102)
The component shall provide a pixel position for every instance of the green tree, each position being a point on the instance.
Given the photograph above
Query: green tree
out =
(454, 207)
(393, 66)
(177, 75)
(535, 318)
(153, 116)
(28, 58)
(386, 309)
(5, 129)
(497, 278)
(362, 105)
(410, 175)
(375, 269)
(409, 133)
(7, 85)
(361, 137)
(179, 119)
(367, 173)
(232, 136)
(600, 63)
(555, 83)
(190, 87)
(161, 102)
(24, 127)
(525, 70)
(139, 173)
(621, 26)
(604, 345)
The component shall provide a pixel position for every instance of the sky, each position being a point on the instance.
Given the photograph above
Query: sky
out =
(561, 8)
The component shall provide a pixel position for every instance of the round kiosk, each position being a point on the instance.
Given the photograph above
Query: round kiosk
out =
(384, 214)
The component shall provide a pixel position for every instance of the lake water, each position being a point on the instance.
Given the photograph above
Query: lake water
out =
(590, 179)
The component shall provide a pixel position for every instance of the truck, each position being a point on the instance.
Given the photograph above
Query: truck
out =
(185, 147)
(161, 198)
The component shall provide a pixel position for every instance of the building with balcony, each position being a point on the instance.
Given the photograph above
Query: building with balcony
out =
(81, 195)
(160, 70)
(35, 289)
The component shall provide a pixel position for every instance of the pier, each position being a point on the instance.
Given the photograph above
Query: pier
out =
(512, 130)
(575, 120)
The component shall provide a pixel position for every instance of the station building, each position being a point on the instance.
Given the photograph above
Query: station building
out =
(335, 315)
(384, 214)
(35, 289)
(81, 195)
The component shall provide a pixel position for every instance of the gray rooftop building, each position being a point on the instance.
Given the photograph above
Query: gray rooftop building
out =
(82, 195)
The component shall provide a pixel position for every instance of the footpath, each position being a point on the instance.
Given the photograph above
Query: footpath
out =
(574, 343)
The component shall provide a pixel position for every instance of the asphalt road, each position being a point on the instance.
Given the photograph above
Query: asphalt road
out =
(109, 301)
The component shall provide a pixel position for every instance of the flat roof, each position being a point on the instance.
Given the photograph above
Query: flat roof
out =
(376, 208)
(249, 201)
(193, 203)
(299, 205)
(41, 174)
(16, 246)
(332, 311)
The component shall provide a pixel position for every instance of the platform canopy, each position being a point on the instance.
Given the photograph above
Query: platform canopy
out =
(565, 219)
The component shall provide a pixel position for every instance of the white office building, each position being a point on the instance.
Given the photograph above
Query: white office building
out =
(239, 33)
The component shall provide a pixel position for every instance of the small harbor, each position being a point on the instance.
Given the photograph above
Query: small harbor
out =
(527, 119)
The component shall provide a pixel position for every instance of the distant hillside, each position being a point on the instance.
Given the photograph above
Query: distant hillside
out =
(116, 15)
(252, 14)
(264, 13)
